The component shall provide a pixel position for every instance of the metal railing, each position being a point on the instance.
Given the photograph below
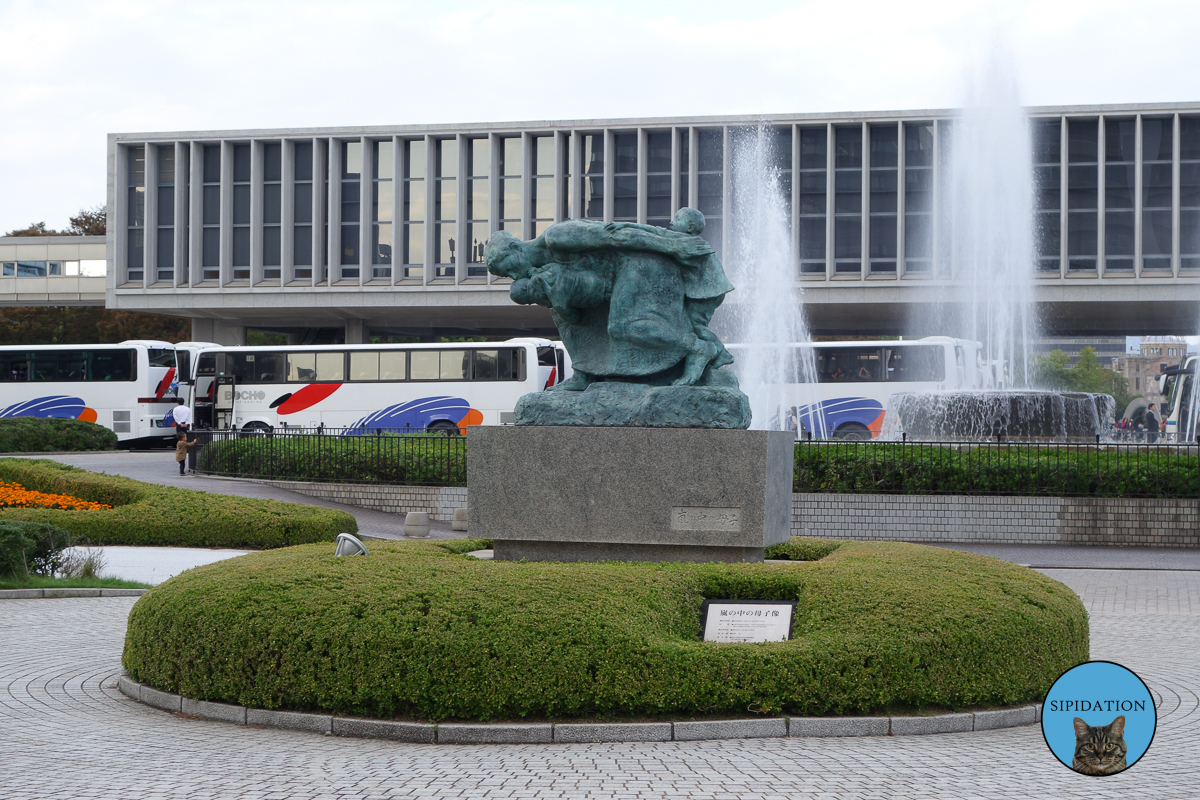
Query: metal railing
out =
(343, 455)
(1102, 469)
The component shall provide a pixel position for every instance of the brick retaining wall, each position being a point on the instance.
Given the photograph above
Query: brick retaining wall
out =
(437, 501)
(1142, 522)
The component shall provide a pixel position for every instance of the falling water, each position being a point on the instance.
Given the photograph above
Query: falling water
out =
(765, 312)
(986, 225)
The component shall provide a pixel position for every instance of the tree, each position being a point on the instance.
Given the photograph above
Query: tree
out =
(86, 325)
(1051, 371)
(88, 222)
(35, 229)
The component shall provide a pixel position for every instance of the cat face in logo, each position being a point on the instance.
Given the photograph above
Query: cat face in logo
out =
(1099, 750)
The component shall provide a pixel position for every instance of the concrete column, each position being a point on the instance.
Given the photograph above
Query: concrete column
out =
(356, 331)
(609, 180)
(1063, 173)
(865, 203)
(196, 214)
(795, 243)
(180, 245)
(287, 217)
(257, 152)
(935, 219)
(150, 237)
(675, 167)
(693, 198)
(117, 273)
(219, 331)
(562, 192)
(430, 210)
(334, 245)
(461, 227)
(366, 216)
(527, 168)
(495, 151)
(1137, 200)
(830, 185)
(641, 175)
(726, 190)
(226, 257)
(1101, 144)
(320, 172)
(1175, 150)
(575, 181)
(397, 209)
(900, 165)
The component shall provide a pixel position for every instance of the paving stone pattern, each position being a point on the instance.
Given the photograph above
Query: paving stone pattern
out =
(67, 732)
(439, 502)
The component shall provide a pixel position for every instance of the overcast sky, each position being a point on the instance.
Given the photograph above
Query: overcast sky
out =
(71, 72)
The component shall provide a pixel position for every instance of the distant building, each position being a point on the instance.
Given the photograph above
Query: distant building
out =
(1156, 353)
(52, 270)
(1107, 347)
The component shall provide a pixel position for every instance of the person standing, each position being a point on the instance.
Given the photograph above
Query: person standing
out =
(1151, 423)
(181, 450)
(182, 415)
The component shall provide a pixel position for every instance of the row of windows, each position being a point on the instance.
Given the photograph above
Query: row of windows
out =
(855, 176)
(493, 364)
(925, 363)
(43, 366)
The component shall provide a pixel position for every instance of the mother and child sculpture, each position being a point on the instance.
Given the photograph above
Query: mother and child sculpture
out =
(632, 303)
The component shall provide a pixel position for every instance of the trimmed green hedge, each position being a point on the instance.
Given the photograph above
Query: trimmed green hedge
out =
(1017, 469)
(414, 630)
(146, 514)
(34, 435)
(435, 460)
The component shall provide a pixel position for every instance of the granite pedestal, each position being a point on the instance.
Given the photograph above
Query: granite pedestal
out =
(559, 493)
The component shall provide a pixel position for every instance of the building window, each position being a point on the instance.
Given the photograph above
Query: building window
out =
(918, 197)
(272, 209)
(847, 199)
(884, 177)
(381, 211)
(1189, 193)
(302, 213)
(1156, 193)
(625, 158)
(593, 176)
(478, 197)
(511, 168)
(136, 230)
(710, 176)
(241, 212)
(165, 246)
(210, 244)
(543, 183)
(351, 186)
(812, 176)
(1120, 163)
(1082, 193)
(1047, 179)
(658, 178)
(414, 209)
(445, 207)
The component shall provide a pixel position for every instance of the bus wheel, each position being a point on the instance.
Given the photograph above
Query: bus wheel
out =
(853, 432)
(256, 429)
(443, 427)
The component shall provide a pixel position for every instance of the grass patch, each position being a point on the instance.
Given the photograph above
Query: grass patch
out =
(37, 435)
(39, 582)
(415, 630)
(147, 514)
(803, 548)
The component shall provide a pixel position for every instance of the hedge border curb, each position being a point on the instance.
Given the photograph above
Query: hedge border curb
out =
(580, 733)
(36, 594)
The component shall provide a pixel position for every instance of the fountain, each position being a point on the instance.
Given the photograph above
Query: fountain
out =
(763, 314)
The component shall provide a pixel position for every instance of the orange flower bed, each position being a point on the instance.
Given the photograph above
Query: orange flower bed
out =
(14, 495)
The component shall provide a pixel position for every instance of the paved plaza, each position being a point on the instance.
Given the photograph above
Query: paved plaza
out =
(66, 732)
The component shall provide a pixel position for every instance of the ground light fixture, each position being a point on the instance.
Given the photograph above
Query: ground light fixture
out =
(349, 545)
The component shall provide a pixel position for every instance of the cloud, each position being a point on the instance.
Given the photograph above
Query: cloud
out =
(72, 72)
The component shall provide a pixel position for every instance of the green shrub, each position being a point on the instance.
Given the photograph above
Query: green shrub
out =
(433, 460)
(803, 548)
(1033, 469)
(415, 630)
(34, 435)
(31, 548)
(146, 514)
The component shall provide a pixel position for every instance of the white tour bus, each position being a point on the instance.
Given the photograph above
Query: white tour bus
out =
(439, 388)
(1179, 410)
(127, 387)
(854, 381)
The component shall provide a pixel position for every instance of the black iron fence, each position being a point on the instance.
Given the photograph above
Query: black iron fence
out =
(826, 466)
(344, 455)
(998, 468)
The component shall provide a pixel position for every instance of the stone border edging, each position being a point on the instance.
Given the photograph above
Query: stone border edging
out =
(563, 732)
(33, 594)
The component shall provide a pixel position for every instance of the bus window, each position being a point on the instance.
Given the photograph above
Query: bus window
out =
(112, 365)
(184, 359)
(425, 365)
(14, 367)
(207, 363)
(160, 357)
(255, 367)
(546, 357)
(60, 365)
(308, 367)
(364, 366)
(331, 366)
(916, 363)
(849, 364)
(456, 365)
(393, 366)
(486, 365)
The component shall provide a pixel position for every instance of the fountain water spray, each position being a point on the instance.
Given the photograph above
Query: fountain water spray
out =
(765, 313)
(985, 288)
